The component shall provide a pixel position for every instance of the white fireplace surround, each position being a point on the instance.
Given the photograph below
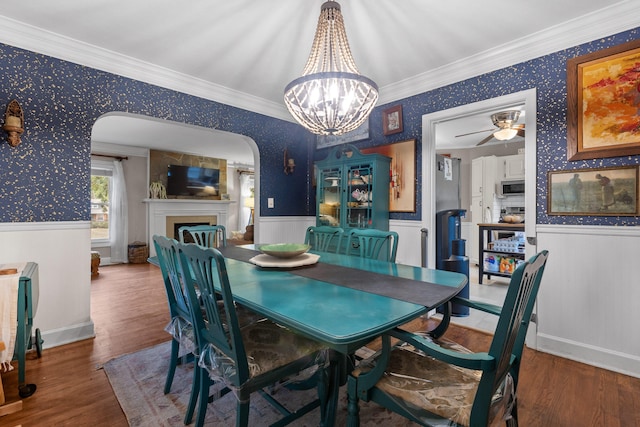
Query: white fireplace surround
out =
(159, 209)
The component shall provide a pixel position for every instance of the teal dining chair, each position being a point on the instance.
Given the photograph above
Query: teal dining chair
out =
(436, 382)
(209, 236)
(324, 238)
(372, 243)
(180, 326)
(245, 359)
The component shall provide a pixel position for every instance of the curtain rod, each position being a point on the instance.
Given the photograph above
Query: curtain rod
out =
(119, 158)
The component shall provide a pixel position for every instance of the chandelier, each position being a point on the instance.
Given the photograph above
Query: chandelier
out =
(331, 97)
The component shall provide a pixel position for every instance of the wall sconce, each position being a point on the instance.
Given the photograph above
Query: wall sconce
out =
(289, 163)
(13, 123)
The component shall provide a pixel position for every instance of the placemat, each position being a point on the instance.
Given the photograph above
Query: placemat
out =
(430, 295)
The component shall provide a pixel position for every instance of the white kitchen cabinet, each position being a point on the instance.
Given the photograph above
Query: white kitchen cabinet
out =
(512, 167)
(484, 177)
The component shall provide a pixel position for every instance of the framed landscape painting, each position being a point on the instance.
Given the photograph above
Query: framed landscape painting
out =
(402, 183)
(603, 103)
(609, 191)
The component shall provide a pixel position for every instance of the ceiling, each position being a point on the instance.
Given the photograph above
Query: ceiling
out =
(244, 52)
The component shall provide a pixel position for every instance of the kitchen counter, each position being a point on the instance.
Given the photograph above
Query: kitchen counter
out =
(503, 225)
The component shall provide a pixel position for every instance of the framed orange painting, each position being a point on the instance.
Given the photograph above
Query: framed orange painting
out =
(603, 101)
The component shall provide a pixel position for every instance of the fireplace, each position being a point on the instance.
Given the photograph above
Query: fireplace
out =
(175, 222)
(163, 214)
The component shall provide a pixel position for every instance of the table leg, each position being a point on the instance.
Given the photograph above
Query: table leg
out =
(337, 377)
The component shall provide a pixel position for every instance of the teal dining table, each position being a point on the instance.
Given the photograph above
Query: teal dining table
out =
(341, 301)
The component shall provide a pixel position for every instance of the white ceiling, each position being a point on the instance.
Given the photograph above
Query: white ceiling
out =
(244, 52)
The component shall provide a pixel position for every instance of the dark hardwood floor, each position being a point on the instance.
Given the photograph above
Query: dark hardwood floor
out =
(128, 307)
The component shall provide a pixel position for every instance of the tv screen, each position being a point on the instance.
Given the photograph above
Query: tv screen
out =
(192, 181)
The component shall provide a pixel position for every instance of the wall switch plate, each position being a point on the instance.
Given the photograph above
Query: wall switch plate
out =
(270, 203)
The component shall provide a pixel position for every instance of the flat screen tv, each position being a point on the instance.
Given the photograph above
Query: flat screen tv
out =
(192, 181)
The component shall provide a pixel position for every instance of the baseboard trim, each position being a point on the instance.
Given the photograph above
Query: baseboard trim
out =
(67, 335)
(622, 363)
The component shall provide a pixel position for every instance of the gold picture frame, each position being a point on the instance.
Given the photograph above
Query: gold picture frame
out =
(392, 120)
(602, 113)
(402, 185)
(611, 191)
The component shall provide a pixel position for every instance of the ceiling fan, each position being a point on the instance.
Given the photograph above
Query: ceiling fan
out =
(505, 121)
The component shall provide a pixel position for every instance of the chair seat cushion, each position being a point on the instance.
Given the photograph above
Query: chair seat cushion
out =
(268, 346)
(421, 383)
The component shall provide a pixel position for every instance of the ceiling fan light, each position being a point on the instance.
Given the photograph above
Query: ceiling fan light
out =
(505, 134)
(331, 97)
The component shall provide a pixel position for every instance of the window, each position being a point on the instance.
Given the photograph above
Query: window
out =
(101, 182)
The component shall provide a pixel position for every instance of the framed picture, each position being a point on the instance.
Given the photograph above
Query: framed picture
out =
(402, 185)
(362, 132)
(392, 120)
(609, 191)
(603, 119)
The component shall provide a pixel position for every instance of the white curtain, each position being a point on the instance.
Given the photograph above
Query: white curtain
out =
(118, 222)
(246, 183)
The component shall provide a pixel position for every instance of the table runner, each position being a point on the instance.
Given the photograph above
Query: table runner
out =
(430, 295)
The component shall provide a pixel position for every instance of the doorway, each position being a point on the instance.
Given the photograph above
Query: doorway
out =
(527, 99)
(429, 128)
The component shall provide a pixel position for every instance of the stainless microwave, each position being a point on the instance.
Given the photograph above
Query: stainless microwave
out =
(511, 188)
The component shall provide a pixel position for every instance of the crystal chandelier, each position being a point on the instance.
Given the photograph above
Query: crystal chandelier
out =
(331, 97)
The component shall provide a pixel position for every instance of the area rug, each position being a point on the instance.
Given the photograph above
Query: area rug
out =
(138, 380)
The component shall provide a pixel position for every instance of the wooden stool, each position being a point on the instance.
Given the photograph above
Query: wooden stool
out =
(95, 263)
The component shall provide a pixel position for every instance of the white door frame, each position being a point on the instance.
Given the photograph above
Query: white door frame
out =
(429, 122)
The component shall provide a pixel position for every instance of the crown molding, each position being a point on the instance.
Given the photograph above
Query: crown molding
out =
(37, 40)
(604, 22)
(608, 21)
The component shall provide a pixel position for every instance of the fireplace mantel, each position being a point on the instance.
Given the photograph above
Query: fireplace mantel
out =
(159, 209)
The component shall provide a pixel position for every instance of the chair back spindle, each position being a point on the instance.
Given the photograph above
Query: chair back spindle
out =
(373, 244)
(208, 236)
(324, 238)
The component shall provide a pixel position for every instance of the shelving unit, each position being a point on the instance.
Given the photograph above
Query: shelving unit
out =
(352, 189)
(485, 238)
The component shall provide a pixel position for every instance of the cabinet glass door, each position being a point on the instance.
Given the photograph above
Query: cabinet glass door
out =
(330, 185)
(359, 195)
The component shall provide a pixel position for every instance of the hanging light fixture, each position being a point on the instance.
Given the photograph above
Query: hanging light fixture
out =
(505, 120)
(331, 97)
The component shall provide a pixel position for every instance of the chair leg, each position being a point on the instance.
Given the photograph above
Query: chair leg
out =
(353, 418)
(195, 387)
(242, 413)
(203, 397)
(175, 346)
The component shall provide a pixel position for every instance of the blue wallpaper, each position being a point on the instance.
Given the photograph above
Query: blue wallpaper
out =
(548, 75)
(46, 178)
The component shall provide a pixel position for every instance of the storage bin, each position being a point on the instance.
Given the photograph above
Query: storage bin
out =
(138, 252)
(491, 263)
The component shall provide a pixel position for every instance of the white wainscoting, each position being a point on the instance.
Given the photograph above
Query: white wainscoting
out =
(409, 241)
(588, 305)
(283, 229)
(63, 253)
